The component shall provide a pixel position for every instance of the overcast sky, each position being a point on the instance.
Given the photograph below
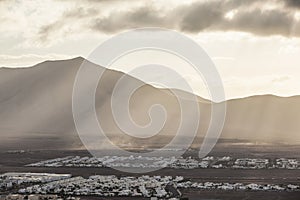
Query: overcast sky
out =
(254, 44)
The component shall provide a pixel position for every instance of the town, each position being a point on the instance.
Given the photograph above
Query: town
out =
(176, 163)
(165, 187)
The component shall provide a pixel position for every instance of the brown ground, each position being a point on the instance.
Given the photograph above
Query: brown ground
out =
(11, 162)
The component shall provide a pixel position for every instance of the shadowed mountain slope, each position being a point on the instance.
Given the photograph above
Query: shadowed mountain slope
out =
(36, 110)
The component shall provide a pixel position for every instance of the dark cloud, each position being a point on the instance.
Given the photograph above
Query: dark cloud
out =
(206, 16)
(250, 16)
(293, 3)
(141, 16)
(260, 22)
(200, 16)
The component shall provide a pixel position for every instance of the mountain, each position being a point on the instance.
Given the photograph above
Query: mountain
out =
(36, 110)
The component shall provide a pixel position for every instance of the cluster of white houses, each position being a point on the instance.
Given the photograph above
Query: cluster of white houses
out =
(10, 180)
(284, 163)
(247, 163)
(238, 186)
(129, 186)
(36, 197)
(144, 186)
(172, 162)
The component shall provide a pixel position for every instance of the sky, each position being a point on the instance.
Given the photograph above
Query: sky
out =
(254, 44)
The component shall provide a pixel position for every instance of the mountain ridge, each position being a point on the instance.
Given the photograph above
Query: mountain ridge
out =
(36, 111)
(84, 59)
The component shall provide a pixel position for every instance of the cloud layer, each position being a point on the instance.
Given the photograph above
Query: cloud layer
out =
(73, 18)
(271, 17)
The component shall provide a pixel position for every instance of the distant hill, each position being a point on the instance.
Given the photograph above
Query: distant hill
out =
(36, 110)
